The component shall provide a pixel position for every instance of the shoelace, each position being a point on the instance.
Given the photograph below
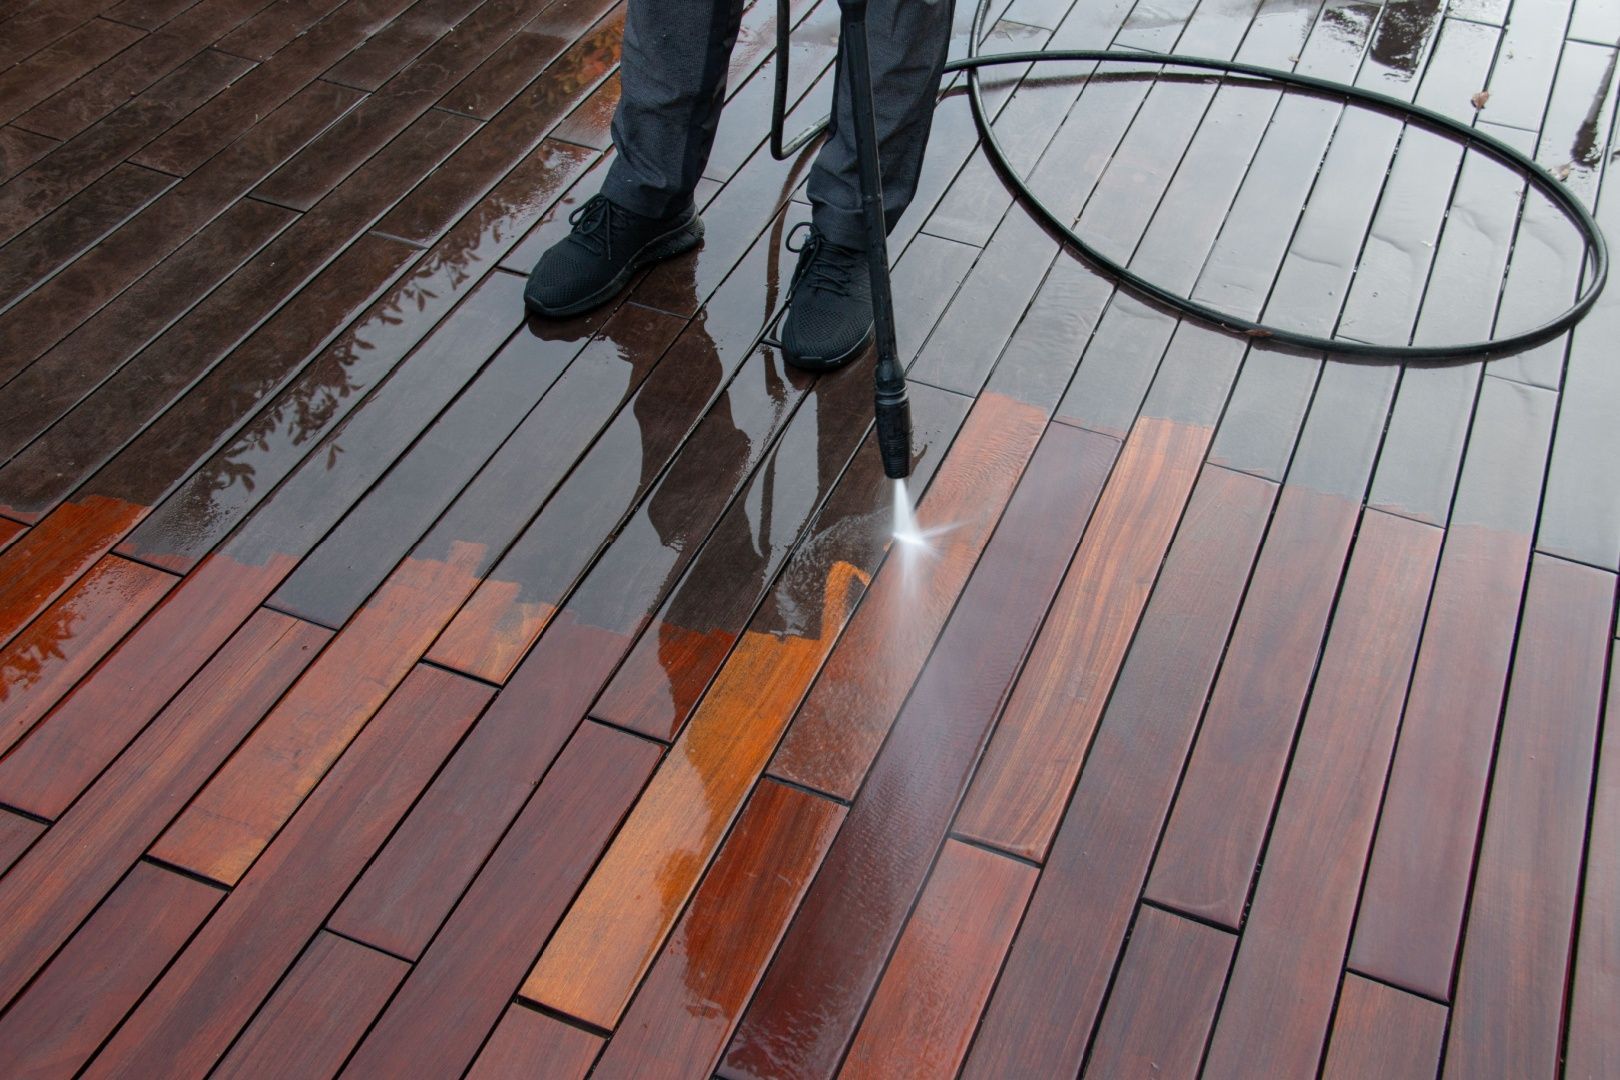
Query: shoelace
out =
(826, 266)
(593, 225)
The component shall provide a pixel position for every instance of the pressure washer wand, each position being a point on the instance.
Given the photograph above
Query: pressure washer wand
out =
(893, 410)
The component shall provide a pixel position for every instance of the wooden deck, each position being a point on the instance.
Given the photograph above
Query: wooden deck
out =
(399, 688)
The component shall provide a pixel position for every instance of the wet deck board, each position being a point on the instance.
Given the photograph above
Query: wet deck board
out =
(394, 684)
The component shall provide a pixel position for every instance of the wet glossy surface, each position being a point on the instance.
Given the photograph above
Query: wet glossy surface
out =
(395, 684)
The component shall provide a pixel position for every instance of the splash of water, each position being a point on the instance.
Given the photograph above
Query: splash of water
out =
(906, 530)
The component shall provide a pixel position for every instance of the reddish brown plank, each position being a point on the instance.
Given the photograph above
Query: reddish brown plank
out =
(833, 957)
(1163, 1002)
(77, 1001)
(1052, 989)
(16, 833)
(925, 1009)
(1020, 790)
(1417, 883)
(318, 1014)
(638, 891)
(189, 1019)
(1279, 1000)
(455, 994)
(44, 661)
(1384, 1032)
(78, 862)
(527, 1043)
(1594, 1039)
(54, 554)
(692, 998)
(1509, 1005)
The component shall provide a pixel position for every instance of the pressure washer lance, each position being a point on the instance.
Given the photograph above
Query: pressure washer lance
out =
(893, 410)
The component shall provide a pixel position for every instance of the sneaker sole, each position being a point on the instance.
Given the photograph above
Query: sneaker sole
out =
(677, 241)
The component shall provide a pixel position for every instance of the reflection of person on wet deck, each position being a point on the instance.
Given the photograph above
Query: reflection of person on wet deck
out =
(673, 84)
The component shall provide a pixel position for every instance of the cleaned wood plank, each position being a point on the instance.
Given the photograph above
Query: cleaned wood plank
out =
(1594, 1040)
(1163, 1002)
(528, 1041)
(1279, 999)
(1021, 788)
(60, 882)
(1052, 988)
(54, 1028)
(1381, 1031)
(1510, 999)
(615, 928)
(16, 833)
(189, 1019)
(1416, 892)
(924, 1011)
(54, 652)
(685, 1011)
(456, 993)
(833, 957)
(318, 1014)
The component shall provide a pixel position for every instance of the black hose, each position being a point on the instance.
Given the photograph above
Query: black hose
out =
(1488, 144)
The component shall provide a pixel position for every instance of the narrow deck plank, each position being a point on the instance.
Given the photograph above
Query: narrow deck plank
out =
(16, 833)
(62, 879)
(405, 39)
(318, 1014)
(1593, 1049)
(44, 661)
(205, 998)
(1051, 991)
(54, 1028)
(527, 1041)
(49, 70)
(694, 798)
(1510, 998)
(1279, 999)
(833, 957)
(684, 1013)
(456, 993)
(1381, 1031)
(1020, 790)
(1163, 1002)
(273, 28)
(1412, 911)
(20, 149)
(924, 1011)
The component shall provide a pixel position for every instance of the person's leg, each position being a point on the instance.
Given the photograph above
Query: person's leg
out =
(908, 42)
(672, 83)
(829, 319)
(672, 76)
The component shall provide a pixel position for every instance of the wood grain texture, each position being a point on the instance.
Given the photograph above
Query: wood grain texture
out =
(1163, 1002)
(1279, 999)
(53, 1028)
(60, 882)
(188, 1020)
(1594, 1041)
(833, 957)
(1510, 995)
(1381, 1031)
(685, 1010)
(924, 1011)
(1052, 989)
(1417, 884)
(318, 1013)
(1020, 789)
(47, 658)
(456, 993)
(1218, 825)
(528, 1043)
(16, 833)
(837, 732)
(654, 864)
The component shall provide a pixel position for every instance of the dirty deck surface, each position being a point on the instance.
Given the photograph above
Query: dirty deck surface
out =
(395, 686)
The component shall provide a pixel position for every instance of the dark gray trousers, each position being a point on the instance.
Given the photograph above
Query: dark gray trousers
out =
(673, 83)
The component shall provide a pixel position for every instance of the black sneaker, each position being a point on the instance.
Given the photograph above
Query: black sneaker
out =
(597, 259)
(829, 319)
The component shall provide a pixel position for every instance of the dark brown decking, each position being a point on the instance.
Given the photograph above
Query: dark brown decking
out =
(397, 687)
